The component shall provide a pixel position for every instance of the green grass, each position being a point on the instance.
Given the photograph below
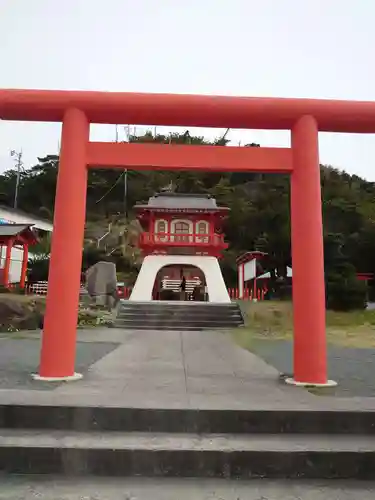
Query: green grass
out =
(274, 320)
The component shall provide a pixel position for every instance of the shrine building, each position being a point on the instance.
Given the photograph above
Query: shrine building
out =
(182, 237)
(19, 231)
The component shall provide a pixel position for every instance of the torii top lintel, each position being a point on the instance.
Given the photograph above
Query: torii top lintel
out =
(187, 110)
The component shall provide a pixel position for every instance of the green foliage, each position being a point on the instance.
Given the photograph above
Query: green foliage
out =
(38, 264)
(42, 249)
(343, 290)
(37, 270)
(91, 255)
(259, 216)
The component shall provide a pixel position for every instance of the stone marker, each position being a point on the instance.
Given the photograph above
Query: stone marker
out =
(101, 284)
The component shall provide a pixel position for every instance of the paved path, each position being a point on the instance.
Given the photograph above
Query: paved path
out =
(352, 368)
(169, 369)
(183, 369)
(181, 489)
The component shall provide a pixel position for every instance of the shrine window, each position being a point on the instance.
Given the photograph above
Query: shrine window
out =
(161, 226)
(161, 230)
(182, 230)
(202, 229)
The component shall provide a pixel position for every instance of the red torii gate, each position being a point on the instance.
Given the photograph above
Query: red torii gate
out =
(76, 110)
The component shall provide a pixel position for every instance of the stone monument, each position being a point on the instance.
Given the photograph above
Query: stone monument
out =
(101, 284)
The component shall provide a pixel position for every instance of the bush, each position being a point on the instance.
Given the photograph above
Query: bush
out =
(344, 291)
(37, 270)
(18, 290)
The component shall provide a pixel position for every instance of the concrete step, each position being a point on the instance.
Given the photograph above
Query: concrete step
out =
(251, 422)
(110, 488)
(198, 307)
(166, 326)
(173, 321)
(176, 312)
(187, 455)
(181, 303)
(174, 327)
(178, 318)
(177, 315)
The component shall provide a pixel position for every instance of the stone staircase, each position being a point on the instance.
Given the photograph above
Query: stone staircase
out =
(165, 315)
(113, 441)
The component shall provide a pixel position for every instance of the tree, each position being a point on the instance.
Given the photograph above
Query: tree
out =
(259, 209)
(38, 264)
(343, 290)
(42, 249)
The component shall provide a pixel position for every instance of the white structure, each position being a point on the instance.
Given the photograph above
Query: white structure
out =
(181, 232)
(217, 291)
(289, 274)
(12, 216)
(246, 269)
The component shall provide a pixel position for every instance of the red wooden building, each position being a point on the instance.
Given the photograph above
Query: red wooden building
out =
(182, 223)
(182, 236)
(19, 236)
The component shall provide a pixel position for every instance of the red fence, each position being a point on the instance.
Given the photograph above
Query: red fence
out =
(248, 294)
(124, 292)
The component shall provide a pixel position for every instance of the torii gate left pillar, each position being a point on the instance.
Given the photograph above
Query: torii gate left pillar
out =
(59, 339)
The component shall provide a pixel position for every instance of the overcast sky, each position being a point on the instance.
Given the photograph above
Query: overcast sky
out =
(270, 48)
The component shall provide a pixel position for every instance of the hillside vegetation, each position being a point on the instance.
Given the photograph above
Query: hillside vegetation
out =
(259, 216)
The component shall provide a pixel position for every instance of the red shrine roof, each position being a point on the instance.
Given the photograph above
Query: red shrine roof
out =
(181, 202)
(21, 233)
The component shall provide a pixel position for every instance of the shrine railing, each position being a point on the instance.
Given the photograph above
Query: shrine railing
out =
(124, 292)
(215, 240)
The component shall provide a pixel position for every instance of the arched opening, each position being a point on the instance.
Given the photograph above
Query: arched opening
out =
(147, 286)
(168, 281)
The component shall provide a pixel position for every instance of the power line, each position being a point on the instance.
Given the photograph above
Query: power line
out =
(110, 189)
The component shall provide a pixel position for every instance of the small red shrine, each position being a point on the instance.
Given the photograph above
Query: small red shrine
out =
(182, 223)
(182, 237)
(15, 236)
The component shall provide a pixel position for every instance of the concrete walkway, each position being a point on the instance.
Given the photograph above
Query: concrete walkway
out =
(180, 489)
(182, 369)
(169, 369)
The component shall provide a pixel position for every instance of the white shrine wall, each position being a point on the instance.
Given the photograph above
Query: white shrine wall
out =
(217, 291)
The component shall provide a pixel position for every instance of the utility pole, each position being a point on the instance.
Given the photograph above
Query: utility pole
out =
(18, 161)
(125, 180)
(126, 193)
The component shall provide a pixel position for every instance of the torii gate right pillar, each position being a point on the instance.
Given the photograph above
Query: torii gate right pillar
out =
(310, 363)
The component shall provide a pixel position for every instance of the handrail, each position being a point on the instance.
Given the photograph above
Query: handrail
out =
(181, 238)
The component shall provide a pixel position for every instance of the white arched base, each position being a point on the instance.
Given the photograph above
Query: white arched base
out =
(217, 291)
